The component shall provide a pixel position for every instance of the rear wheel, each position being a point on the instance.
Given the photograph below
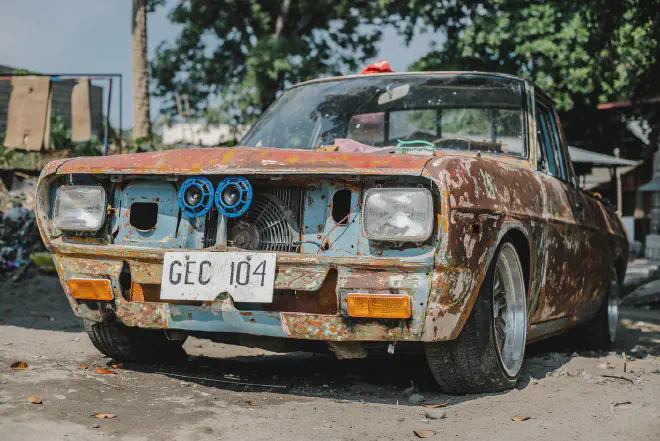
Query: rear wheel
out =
(125, 343)
(600, 333)
(488, 353)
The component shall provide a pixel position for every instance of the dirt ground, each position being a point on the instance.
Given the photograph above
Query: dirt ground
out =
(302, 396)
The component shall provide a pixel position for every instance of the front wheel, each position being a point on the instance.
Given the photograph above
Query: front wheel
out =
(488, 353)
(124, 343)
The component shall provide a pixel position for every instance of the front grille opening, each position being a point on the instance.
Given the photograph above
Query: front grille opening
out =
(211, 228)
(144, 215)
(125, 280)
(341, 206)
(322, 301)
(272, 223)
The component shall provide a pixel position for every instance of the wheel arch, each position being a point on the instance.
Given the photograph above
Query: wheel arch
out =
(517, 233)
(620, 267)
(521, 243)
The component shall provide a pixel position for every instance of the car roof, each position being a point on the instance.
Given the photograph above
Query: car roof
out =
(347, 77)
(529, 84)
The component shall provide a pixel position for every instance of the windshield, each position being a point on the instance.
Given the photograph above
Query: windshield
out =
(468, 112)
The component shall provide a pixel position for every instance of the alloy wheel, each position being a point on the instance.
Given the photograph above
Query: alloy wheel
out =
(509, 311)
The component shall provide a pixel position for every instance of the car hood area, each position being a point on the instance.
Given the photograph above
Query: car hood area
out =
(247, 160)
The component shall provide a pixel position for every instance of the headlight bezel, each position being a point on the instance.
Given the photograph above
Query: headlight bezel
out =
(101, 215)
(430, 215)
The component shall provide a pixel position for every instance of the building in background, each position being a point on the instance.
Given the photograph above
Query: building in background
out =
(61, 103)
(202, 134)
(622, 127)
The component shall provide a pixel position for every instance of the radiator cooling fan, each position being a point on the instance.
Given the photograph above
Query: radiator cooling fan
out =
(267, 225)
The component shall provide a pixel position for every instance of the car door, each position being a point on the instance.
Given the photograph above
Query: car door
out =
(563, 240)
(590, 284)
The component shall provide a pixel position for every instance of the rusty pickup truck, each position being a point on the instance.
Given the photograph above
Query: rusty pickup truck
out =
(436, 212)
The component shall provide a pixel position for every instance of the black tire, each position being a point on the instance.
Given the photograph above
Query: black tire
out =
(470, 363)
(124, 343)
(596, 335)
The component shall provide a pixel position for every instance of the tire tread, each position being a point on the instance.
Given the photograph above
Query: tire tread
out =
(469, 363)
(124, 343)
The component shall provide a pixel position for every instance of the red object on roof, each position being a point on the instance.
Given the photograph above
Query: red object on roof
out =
(380, 66)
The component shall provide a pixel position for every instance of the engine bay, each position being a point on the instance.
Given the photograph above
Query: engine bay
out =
(290, 214)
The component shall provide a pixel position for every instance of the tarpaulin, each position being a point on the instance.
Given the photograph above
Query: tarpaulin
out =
(380, 66)
(28, 110)
(81, 111)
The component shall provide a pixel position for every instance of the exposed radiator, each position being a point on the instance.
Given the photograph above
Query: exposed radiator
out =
(272, 223)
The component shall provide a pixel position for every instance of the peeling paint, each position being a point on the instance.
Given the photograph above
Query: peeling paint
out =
(480, 200)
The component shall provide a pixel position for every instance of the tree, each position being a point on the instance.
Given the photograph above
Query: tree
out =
(140, 74)
(581, 53)
(235, 56)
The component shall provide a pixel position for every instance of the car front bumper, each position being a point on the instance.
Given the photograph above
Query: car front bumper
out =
(412, 276)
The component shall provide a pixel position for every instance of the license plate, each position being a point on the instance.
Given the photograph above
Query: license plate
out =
(247, 277)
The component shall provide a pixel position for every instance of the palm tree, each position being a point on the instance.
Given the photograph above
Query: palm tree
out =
(141, 122)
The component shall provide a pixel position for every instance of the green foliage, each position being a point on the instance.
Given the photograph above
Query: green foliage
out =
(234, 57)
(581, 53)
(60, 133)
(60, 139)
(6, 157)
(566, 48)
(140, 145)
(23, 72)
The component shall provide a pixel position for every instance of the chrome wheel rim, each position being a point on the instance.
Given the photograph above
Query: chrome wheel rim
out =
(612, 310)
(509, 311)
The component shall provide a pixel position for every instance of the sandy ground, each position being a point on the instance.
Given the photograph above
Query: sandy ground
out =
(567, 396)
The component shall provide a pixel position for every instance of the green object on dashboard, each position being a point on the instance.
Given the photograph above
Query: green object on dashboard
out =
(415, 147)
(415, 142)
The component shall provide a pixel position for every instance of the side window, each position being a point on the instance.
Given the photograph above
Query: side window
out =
(551, 156)
(569, 176)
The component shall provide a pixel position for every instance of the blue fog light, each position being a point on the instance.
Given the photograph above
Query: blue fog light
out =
(233, 196)
(196, 196)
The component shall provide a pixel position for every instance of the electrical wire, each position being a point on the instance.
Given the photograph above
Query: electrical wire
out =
(343, 232)
(336, 225)
(307, 241)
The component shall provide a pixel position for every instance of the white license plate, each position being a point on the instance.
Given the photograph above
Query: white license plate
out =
(247, 277)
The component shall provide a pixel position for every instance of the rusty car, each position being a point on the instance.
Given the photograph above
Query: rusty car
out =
(431, 211)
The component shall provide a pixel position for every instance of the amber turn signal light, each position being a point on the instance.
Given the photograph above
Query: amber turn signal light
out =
(90, 289)
(378, 305)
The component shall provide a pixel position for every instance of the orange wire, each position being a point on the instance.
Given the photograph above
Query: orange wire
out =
(336, 225)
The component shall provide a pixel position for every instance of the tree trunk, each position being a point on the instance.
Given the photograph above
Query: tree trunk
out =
(281, 18)
(270, 86)
(141, 122)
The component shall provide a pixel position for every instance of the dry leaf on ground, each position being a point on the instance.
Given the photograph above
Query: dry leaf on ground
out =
(19, 366)
(105, 371)
(621, 403)
(83, 366)
(434, 406)
(424, 433)
(117, 365)
(251, 403)
(519, 418)
(35, 399)
(103, 415)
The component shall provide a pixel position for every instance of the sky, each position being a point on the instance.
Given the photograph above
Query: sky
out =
(94, 36)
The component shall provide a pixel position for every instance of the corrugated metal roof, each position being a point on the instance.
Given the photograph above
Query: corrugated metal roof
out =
(598, 159)
(652, 185)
